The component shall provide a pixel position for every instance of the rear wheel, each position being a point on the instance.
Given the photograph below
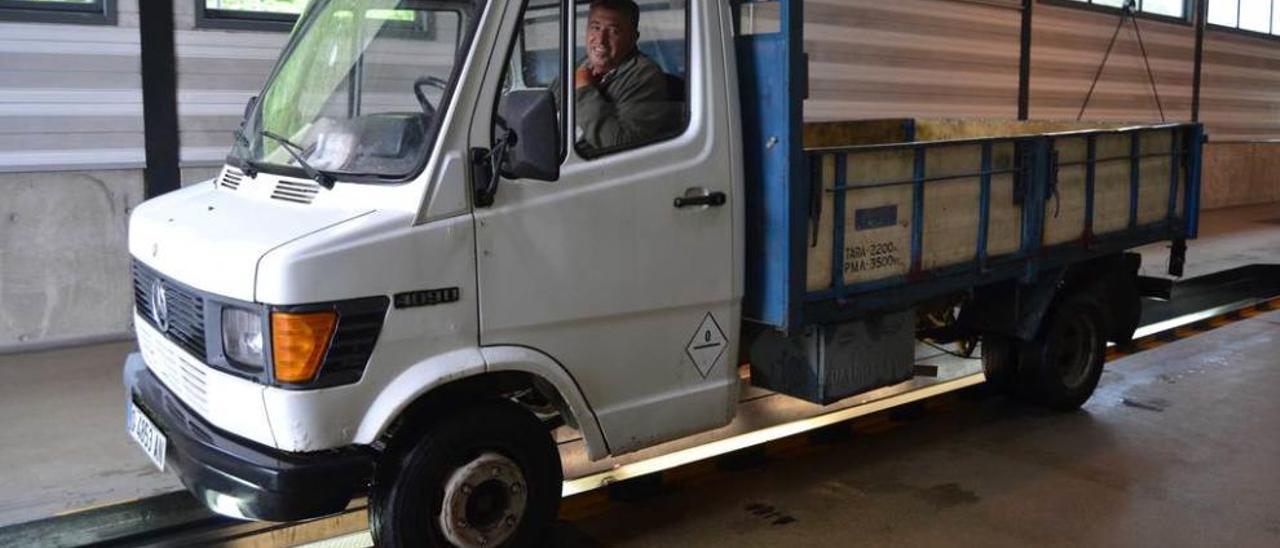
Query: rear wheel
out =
(1061, 367)
(1000, 360)
(488, 475)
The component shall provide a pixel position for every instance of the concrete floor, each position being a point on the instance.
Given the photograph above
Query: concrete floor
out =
(1116, 469)
(1178, 447)
(62, 445)
(1228, 238)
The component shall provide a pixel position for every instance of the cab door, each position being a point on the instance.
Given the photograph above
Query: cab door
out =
(625, 270)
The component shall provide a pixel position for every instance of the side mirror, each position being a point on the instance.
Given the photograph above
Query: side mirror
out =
(532, 141)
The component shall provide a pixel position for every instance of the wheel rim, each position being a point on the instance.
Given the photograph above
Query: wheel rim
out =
(1076, 350)
(484, 501)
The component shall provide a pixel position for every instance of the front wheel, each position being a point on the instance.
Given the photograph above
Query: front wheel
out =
(488, 475)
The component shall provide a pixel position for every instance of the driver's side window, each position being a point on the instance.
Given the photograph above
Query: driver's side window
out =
(536, 58)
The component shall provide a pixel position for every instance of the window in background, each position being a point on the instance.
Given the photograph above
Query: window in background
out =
(248, 14)
(91, 12)
(1257, 16)
(281, 15)
(1179, 9)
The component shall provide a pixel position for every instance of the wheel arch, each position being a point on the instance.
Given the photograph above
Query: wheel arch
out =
(1018, 310)
(520, 359)
(447, 381)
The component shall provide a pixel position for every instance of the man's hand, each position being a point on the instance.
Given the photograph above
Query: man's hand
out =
(583, 77)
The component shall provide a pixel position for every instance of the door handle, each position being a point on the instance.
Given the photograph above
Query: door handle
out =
(711, 199)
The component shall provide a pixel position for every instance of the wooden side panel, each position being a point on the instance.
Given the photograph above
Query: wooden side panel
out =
(1064, 213)
(944, 129)
(855, 132)
(1111, 184)
(878, 249)
(1004, 229)
(1153, 186)
(951, 207)
(879, 212)
(885, 251)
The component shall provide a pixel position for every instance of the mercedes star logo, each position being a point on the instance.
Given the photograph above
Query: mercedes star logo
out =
(159, 306)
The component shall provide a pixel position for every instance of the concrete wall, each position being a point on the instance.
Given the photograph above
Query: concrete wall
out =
(64, 274)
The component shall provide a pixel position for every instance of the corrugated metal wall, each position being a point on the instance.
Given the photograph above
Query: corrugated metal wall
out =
(912, 58)
(71, 130)
(218, 71)
(71, 95)
(1240, 92)
(1068, 46)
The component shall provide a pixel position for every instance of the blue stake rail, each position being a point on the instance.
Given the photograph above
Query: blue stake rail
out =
(785, 192)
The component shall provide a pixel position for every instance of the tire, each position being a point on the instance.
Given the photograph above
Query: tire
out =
(1061, 367)
(471, 465)
(999, 361)
(1124, 312)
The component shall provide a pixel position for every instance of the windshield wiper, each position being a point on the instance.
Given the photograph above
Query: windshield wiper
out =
(249, 167)
(323, 177)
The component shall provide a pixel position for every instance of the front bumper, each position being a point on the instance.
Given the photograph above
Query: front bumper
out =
(240, 478)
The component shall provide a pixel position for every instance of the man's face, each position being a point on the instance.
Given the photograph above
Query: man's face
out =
(610, 39)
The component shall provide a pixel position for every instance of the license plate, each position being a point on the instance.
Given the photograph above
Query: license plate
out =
(145, 433)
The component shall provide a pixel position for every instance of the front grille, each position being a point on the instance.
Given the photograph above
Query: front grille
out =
(185, 309)
(180, 372)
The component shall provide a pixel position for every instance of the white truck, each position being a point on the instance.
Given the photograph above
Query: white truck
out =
(413, 281)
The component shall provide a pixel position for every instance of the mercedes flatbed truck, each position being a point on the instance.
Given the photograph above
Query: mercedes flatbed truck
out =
(410, 282)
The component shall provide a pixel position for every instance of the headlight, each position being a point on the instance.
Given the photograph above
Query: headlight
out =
(242, 336)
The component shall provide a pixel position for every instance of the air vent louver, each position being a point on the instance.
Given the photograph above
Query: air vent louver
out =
(295, 191)
(231, 178)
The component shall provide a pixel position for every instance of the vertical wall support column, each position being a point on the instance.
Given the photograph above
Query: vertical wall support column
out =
(1202, 14)
(1024, 63)
(159, 97)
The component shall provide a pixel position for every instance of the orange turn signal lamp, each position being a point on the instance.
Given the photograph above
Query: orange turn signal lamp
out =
(299, 343)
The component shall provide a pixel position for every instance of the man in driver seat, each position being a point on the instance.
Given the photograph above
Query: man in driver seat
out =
(622, 96)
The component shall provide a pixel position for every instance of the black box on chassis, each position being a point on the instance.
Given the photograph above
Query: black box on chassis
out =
(832, 362)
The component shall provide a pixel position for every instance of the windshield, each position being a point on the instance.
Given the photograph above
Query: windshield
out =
(358, 89)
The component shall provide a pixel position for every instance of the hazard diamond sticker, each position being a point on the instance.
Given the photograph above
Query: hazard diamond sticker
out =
(707, 345)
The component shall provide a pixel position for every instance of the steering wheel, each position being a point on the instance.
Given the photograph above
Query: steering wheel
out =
(422, 97)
